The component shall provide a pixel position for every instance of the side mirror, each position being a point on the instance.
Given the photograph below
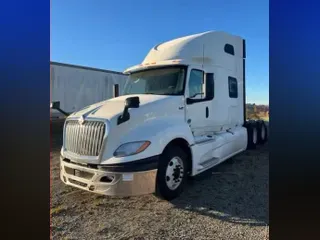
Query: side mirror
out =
(209, 85)
(131, 102)
(55, 105)
(115, 90)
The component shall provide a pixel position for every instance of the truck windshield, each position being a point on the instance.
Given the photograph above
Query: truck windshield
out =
(161, 81)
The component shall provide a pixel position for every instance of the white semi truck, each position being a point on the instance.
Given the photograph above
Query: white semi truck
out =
(182, 112)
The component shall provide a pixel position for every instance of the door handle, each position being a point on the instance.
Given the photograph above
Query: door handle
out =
(207, 112)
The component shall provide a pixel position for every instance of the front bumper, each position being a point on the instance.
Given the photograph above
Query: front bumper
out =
(113, 180)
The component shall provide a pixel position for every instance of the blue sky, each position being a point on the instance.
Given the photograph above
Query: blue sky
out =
(117, 34)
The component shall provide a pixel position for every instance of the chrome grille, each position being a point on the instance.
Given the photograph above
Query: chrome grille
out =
(84, 139)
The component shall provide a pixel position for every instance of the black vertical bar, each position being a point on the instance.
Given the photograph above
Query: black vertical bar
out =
(244, 81)
(115, 90)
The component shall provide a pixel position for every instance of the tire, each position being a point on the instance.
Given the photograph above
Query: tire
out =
(252, 135)
(167, 186)
(262, 132)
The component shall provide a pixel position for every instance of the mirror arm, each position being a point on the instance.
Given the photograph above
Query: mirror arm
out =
(63, 112)
(125, 116)
(56, 106)
(131, 102)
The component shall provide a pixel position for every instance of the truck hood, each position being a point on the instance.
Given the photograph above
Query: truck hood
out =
(113, 107)
(154, 112)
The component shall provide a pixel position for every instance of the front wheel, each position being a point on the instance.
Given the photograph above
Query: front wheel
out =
(172, 173)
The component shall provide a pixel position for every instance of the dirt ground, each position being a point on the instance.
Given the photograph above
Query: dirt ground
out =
(229, 201)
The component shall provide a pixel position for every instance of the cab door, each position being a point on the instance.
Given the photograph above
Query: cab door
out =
(199, 95)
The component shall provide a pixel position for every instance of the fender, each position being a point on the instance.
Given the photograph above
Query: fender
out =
(160, 132)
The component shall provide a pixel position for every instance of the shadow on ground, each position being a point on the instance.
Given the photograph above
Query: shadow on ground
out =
(235, 191)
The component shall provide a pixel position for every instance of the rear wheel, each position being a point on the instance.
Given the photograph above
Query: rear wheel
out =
(252, 135)
(262, 132)
(172, 173)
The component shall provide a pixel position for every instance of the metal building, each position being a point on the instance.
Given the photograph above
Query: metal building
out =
(77, 86)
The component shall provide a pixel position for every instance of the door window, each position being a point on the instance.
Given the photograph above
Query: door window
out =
(196, 84)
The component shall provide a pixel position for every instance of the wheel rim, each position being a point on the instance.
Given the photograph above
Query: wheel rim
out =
(263, 133)
(255, 136)
(174, 173)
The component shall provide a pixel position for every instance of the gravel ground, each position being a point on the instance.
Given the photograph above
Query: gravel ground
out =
(229, 201)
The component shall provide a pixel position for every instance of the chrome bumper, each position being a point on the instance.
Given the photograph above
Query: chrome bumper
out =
(108, 183)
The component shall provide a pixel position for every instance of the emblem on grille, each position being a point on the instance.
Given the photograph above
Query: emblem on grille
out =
(81, 120)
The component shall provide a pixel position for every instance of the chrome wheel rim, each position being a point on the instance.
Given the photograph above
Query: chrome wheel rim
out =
(174, 173)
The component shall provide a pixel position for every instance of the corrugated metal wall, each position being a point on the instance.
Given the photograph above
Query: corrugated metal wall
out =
(76, 87)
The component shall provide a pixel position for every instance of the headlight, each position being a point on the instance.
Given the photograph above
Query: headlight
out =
(131, 148)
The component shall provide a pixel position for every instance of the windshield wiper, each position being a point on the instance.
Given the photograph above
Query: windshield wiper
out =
(152, 93)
